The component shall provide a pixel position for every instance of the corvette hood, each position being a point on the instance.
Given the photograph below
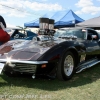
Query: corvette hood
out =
(25, 49)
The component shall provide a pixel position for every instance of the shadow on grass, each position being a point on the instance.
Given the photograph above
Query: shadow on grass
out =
(86, 77)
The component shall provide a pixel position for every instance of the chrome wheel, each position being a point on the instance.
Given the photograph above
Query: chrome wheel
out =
(68, 65)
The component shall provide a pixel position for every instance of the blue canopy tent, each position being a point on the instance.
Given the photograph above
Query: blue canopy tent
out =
(35, 23)
(68, 20)
(62, 19)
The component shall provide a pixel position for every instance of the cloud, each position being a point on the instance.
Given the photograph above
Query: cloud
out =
(22, 8)
(87, 7)
(42, 6)
(84, 3)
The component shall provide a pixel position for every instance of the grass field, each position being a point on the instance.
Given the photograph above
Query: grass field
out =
(83, 86)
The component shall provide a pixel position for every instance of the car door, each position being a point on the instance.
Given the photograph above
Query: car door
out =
(92, 45)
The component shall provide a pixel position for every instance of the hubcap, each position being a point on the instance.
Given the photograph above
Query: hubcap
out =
(68, 65)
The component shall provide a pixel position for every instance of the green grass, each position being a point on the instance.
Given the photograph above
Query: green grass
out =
(83, 86)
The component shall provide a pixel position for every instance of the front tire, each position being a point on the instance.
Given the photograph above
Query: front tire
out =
(66, 66)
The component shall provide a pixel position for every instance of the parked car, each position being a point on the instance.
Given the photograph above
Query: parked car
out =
(72, 52)
(19, 33)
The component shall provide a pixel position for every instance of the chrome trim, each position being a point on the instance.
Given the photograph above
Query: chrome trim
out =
(21, 61)
(88, 66)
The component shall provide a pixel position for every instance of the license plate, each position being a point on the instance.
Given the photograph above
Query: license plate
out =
(1, 67)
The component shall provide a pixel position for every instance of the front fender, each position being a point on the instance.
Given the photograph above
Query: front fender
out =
(56, 52)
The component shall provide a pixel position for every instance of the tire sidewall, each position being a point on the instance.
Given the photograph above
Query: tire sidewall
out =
(60, 72)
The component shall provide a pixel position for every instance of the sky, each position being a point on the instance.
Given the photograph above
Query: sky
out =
(18, 12)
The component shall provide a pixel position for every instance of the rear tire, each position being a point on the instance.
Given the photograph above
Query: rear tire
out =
(66, 66)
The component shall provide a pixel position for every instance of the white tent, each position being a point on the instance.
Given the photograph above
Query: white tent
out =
(92, 23)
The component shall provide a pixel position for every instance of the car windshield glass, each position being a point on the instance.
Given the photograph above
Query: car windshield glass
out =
(59, 33)
(79, 33)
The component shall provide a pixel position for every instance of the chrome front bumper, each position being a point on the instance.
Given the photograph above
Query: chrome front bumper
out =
(22, 61)
(22, 66)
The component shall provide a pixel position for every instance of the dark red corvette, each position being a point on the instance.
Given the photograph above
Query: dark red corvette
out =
(69, 51)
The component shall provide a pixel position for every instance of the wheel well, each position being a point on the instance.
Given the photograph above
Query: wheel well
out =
(62, 74)
(75, 53)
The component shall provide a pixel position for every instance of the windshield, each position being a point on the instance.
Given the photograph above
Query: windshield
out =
(59, 33)
(79, 33)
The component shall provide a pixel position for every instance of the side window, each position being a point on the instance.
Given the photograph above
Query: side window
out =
(92, 35)
(79, 33)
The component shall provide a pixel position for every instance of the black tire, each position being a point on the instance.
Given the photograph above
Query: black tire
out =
(9, 71)
(62, 71)
(9, 74)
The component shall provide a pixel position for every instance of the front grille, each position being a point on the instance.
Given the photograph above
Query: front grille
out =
(20, 67)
